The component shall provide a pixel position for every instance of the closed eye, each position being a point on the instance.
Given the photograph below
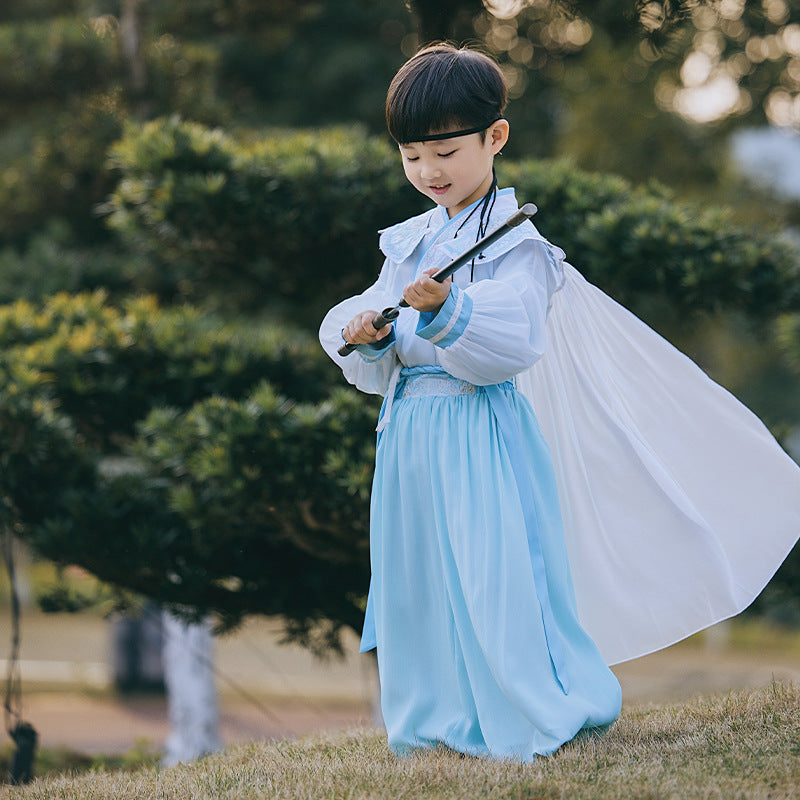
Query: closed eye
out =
(446, 155)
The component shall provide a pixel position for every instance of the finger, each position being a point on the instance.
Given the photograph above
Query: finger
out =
(416, 296)
(428, 289)
(354, 334)
(431, 285)
(423, 285)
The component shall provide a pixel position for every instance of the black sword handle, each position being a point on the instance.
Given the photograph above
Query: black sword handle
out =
(390, 314)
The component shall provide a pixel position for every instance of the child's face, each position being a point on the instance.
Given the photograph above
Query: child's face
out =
(454, 172)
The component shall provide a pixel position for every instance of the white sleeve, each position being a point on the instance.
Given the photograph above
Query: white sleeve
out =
(369, 368)
(495, 328)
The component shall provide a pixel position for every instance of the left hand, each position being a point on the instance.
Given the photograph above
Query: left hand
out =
(426, 294)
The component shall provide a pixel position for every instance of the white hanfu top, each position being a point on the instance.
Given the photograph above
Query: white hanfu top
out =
(467, 341)
(678, 505)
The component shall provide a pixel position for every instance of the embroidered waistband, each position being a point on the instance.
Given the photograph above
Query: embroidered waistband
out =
(435, 384)
(426, 381)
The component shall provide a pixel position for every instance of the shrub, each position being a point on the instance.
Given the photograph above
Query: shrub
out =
(290, 222)
(52, 261)
(62, 172)
(239, 484)
(640, 241)
(55, 58)
(273, 499)
(40, 453)
(107, 365)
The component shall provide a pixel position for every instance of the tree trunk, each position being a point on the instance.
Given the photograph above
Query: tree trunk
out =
(130, 30)
(191, 693)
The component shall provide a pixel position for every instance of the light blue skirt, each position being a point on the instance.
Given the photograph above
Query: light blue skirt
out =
(471, 603)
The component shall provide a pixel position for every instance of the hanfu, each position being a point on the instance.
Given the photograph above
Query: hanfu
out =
(556, 489)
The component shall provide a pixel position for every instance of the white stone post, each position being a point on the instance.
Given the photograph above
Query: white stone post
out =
(191, 692)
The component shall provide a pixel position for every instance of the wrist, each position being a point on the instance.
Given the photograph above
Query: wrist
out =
(444, 327)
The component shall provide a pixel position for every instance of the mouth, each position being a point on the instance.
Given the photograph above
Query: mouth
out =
(439, 188)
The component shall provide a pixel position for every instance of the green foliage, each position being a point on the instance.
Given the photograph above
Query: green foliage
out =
(63, 173)
(258, 221)
(57, 763)
(108, 365)
(245, 490)
(36, 9)
(79, 56)
(53, 261)
(39, 453)
(287, 221)
(610, 88)
(244, 496)
(55, 58)
(636, 242)
(780, 602)
(67, 85)
(789, 338)
(273, 499)
(183, 77)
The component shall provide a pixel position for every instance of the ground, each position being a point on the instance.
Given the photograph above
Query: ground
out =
(268, 691)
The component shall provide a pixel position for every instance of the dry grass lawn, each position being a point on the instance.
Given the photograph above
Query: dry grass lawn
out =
(744, 745)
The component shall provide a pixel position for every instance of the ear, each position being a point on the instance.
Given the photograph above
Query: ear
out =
(498, 134)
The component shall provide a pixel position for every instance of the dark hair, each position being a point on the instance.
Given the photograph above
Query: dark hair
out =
(444, 88)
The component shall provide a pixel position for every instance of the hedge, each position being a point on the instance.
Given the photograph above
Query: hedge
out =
(63, 83)
(290, 221)
(53, 261)
(233, 508)
(66, 56)
(240, 474)
(107, 365)
(40, 452)
(641, 241)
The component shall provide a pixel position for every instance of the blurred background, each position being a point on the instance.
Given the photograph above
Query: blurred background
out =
(185, 188)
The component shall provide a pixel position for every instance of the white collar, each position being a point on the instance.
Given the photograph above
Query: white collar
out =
(399, 241)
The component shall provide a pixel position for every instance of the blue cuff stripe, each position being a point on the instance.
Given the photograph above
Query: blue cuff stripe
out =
(448, 325)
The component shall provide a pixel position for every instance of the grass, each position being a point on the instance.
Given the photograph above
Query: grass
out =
(52, 762)
(741, 745)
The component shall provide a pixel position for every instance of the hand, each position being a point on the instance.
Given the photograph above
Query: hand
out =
(426, 294)
(361, 331)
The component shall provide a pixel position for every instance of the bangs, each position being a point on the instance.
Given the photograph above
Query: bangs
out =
(424, 105)
(443, 89)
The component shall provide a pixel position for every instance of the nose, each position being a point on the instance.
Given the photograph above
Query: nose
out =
(428, 170)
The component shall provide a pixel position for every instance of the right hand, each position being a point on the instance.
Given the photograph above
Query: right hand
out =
(360, 330)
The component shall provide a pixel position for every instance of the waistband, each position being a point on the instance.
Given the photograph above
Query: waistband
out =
(426, 381)
(414, 383)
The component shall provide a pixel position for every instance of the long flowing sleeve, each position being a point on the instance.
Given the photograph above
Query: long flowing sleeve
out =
(493, 329)
(369, 368)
